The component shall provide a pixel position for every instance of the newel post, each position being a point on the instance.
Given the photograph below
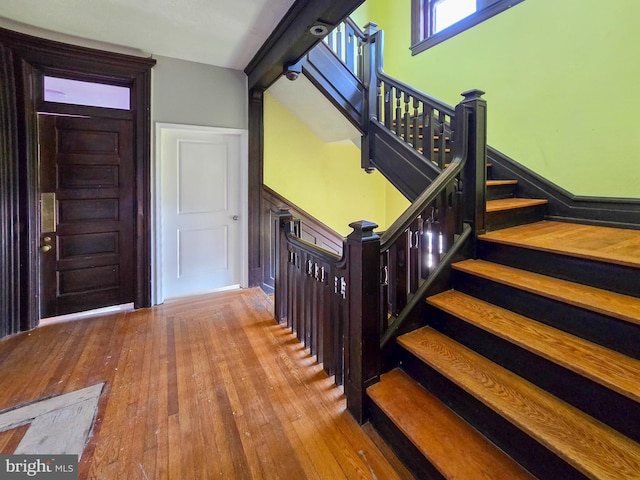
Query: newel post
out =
(370, 81)
(362, 342)
(284, 221)
(475, 170)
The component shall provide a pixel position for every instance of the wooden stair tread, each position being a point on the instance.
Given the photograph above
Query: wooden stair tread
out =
(606, 367)
(497, 183)
(513, 203)
(450, 444)
(614, 245)
(591, 447)
(617, 305)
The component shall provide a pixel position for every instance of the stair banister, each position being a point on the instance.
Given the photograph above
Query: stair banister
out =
(467, 170)
(340, 307)
(391, 235)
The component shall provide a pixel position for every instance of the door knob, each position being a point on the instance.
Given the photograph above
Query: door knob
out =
(45, 248)
(235, 217)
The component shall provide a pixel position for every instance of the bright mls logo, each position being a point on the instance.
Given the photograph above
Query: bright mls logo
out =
(50, 467)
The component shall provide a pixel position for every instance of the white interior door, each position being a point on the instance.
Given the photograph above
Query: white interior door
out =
(200, 210)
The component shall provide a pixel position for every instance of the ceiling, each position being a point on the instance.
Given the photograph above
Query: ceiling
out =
(313, 109)
(225, 33)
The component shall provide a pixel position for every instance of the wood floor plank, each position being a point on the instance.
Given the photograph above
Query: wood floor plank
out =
(10, 439)
(615, 245)
(512, 203)
(496, 183)
(623, 307)
(593, 448)
(205, 387)
(606, 367)
(452, 446)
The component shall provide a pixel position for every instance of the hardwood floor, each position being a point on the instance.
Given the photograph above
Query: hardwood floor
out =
(209, 387)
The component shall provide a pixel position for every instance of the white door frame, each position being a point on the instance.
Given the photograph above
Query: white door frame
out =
(157, 291)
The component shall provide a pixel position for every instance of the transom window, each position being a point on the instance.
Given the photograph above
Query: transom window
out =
(75, 92)
(433, 21)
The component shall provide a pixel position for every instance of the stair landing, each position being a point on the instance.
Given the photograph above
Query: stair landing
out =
(613, 245)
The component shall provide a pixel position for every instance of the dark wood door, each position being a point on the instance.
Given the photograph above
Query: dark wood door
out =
(86, 229)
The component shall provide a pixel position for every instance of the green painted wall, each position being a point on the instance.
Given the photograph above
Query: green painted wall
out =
(561, 80)
(321, 178)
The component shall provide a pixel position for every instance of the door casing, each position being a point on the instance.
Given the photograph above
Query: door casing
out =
(25, 60)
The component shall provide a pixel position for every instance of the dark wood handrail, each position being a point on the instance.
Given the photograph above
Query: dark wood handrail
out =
(315, 250)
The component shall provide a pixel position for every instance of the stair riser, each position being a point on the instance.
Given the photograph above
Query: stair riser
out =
(517, 216)
(497, 192)
(601, 403)
(518, 445)
(607, 276)
(609, 332)
(413, 459)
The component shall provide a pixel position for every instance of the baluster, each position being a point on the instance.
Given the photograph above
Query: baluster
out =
(282, 255)
(436, 235)
(449, 218)
(339, 43)
(398, 112)
(398, 274)
(360, 60)
(430, 132)
(384, 292)
(296, 294)
(324, 317)
(406, 119)
(416, 132)
(440, 143)
(414, 256)
(423, 245)
(351, 49)
(331, 40)
(387, 106)
(380, 102)
(339, 328)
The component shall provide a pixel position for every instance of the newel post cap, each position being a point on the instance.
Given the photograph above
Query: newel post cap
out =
(363, 229)
(473, 94)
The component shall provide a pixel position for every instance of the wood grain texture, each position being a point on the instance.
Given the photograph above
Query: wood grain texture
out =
(615, 245)
(513, 203)
(623, 307)
(10, 439)
(496, 183)
(606, 367)
(593, 448)
(206, 387)
(450, 444)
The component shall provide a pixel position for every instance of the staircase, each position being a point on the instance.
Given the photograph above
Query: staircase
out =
(525, 360)
(526, 364)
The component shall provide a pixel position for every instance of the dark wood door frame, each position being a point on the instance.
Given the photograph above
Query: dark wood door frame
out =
(23, 61)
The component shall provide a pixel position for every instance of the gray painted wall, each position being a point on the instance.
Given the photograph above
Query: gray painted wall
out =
(198, 94)
(182, 91)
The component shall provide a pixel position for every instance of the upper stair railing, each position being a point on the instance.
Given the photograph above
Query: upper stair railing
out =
(347, 309)
(346, 41)
(422, 121)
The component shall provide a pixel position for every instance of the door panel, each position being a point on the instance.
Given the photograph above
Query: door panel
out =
(200, 210)
(88, 164)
